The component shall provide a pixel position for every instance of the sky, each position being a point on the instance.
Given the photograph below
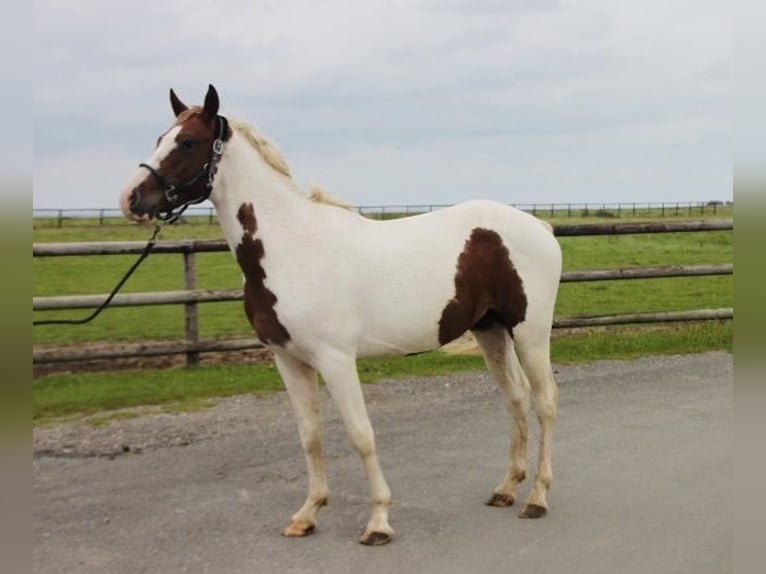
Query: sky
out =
(398, 102)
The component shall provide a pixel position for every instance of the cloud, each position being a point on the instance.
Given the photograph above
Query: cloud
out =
(350, 88)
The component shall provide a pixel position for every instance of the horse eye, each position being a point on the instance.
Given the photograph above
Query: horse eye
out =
(186, 144)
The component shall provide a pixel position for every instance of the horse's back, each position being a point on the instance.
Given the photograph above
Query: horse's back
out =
(529, 240)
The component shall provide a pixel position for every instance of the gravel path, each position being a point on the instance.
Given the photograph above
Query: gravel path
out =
(642, 460)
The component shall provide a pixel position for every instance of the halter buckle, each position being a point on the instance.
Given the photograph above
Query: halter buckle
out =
(170, 194)
(218, 147)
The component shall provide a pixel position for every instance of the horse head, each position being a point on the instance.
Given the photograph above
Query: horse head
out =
(181, 169)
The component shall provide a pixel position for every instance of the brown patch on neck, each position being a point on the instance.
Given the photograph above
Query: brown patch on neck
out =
(488, 290)
(259, 300)
(246, 216)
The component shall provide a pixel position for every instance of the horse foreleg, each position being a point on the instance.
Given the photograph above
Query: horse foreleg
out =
(340, 375)
(302, 387)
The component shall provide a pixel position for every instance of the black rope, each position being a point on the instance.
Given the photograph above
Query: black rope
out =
(144, 255)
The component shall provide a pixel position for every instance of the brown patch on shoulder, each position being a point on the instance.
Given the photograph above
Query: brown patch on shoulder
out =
(259, 300)
(488, 290)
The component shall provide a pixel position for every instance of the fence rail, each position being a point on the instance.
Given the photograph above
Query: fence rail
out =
(191, 297)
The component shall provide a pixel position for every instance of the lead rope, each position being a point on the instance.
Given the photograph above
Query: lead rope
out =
(144, 255)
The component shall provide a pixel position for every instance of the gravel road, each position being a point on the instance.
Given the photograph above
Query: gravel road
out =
(642, 461)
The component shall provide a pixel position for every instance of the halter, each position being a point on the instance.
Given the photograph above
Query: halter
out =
(172, 192)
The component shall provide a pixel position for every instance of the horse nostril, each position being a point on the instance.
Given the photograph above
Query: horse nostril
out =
(135, 197)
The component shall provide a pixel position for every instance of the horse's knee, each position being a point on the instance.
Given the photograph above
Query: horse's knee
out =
(547, 412)
(546, 408)
(311, 436)
(312, 444)
(518, 406)
(363, 439)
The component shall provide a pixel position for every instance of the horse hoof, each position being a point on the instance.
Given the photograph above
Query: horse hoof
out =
(533, 511)
(298, 529)
(375, 538)
(500, 500)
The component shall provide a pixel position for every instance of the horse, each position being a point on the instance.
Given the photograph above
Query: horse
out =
(324, 285)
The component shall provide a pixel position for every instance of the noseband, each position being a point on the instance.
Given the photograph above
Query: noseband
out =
(172, 192)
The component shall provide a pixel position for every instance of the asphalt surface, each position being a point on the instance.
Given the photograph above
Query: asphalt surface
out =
(642, 465)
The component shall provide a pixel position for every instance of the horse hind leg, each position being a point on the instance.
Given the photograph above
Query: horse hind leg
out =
(502, 362)
(534, 353)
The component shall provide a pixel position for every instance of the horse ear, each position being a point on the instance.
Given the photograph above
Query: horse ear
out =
(178, 106)
(211, 102)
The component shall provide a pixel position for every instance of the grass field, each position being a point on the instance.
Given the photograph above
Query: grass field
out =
(70, 394)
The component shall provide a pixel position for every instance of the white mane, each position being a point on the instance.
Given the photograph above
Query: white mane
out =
(318, 194)
(267, 149)
(275, 159)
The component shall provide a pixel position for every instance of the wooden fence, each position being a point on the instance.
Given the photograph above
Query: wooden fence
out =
(190, 297)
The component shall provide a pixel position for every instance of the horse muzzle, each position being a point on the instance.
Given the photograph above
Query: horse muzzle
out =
(134, 203)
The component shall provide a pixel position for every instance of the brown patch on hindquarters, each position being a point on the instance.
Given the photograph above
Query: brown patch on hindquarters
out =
(259, 300)
(488, 290)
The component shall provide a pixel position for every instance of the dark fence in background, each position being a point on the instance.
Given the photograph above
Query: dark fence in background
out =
(206, 215)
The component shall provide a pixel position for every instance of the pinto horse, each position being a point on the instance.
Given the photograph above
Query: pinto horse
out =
(324, 285)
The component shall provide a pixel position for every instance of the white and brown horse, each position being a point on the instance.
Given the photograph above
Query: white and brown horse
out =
(324, 285)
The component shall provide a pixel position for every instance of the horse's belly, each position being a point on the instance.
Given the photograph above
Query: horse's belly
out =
(402, 327)
(373, 345)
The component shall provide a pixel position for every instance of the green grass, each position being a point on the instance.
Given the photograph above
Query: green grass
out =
(65, 395)
(627, 342)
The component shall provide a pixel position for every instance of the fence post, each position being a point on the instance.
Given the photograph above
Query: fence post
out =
(191, 327)
(61, 217)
